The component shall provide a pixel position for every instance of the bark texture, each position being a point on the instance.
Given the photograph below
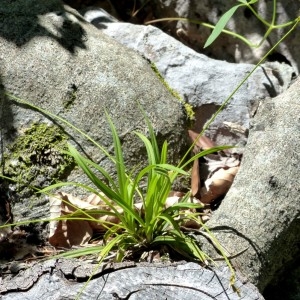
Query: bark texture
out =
(65, 279)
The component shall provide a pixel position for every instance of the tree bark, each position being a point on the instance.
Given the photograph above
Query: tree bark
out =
(67, 278)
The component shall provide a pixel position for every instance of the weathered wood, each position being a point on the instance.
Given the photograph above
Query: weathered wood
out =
(64, 279)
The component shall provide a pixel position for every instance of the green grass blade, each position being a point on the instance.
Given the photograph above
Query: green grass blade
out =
(92, 176)
(120, 166)
(221, 25)
(150, 149)
(169, 167)
(79, 252)
(112, 195)
(164, 153)
(152, 135)
(110, 245)
(184, 205)
(181, 243)
(206, 152)
(102, 171)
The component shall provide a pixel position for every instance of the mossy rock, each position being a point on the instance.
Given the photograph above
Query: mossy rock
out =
(37, 156)
(78, 73)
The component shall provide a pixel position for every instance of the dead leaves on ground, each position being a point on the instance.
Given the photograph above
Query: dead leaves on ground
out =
(214, 174)
(211, 178)
(76, 220)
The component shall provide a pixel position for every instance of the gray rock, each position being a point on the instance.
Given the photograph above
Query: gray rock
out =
(287, 284)
(243, 22)
(260, 213)
(97, 16)
(203, 82)
(65, 279)
(52, 58)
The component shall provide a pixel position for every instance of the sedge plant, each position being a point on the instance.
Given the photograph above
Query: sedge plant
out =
(138, 229)
(141, 229)
(151, 225)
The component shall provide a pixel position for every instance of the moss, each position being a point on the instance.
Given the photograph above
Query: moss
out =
(37, 158)
(188, 108)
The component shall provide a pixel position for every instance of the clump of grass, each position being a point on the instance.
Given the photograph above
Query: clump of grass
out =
(153, 224)
(138, 229)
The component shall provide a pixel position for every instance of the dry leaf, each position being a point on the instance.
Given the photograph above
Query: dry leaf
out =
(195, 178)
(66, 233)
(218, 184)
(217, 172)
(102, 220)
(71, 232)
(202, 142)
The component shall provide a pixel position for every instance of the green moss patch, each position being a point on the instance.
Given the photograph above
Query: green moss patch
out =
(37, 158)
(188, 108)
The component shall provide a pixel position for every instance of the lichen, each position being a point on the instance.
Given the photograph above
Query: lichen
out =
(188, 108)
(37, 159)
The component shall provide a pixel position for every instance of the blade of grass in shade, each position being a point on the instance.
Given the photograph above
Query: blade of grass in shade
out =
(164, 153)
(221, 25)
(178, 241)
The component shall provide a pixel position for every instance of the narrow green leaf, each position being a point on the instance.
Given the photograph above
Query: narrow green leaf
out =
(153, 139)
(109, 246)
(102, 171)
(92, 176)
(112, 195)
(80, 252)
(121, 173)
(172, 168)
(221, 25)
(181, 205)
(164, 152)
(184, 245)
(150, 151)
(206, 152)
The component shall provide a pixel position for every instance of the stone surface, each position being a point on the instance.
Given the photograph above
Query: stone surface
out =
(242, 22)
(287, 285)
(260, 213)
(52, 58)
(65, 279)
(203, 82)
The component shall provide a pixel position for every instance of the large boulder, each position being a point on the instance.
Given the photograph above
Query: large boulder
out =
(52, 58)
(202, 82)
(259, 217)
